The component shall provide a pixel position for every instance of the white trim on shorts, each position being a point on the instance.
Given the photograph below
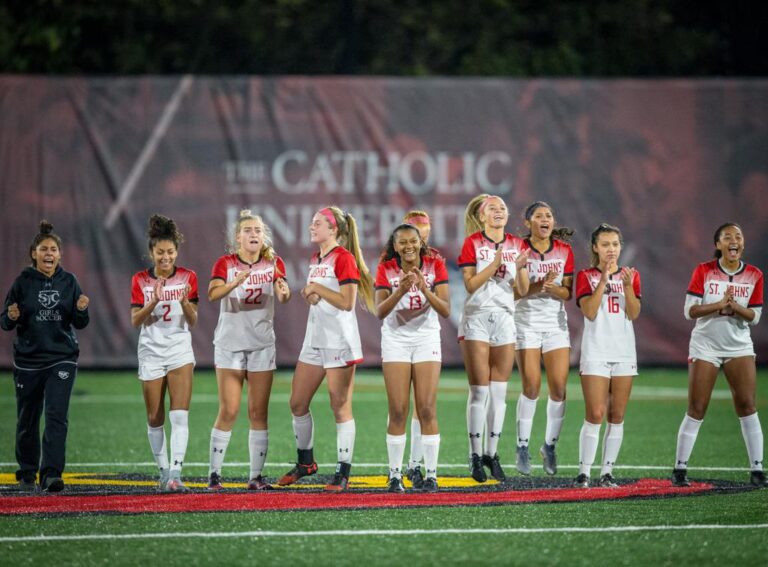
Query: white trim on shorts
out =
(330, 357)
(607, 369)
(392, 351)
(717, 360)
(543, 340)
(149, 372)
(497, 328)
(256, 360)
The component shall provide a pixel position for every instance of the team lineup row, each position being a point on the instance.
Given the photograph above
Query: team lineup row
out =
(514, 310)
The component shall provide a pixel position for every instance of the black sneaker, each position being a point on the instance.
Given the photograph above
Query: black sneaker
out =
(680, 477)
(495, 467)
(581, 481)
(340, 480)
(416, 478)
(607, 481)
(757, 478)
(396, 485)
(430, 484)
(214, 482)
(476, 468)
(52, 484)
(27, 483)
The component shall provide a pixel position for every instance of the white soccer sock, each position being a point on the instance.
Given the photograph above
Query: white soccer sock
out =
(497, 410)
(526, 409)
(157, 444)
(431, 450)
(686, 437)
(417, 452)
(218, 447)
(753, 437)
(588, 439)
(304, 431)
(179, 437)
(476, 412)
(614, 435)
(345, 440)
(555, 418)
(395, 452)
(258, 442)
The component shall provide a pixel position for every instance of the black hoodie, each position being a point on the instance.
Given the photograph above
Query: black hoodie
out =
(44, 330)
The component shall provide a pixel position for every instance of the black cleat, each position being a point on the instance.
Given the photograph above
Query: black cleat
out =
(607, 481)
(757, 478)
(581, 481)
(305, 466)
(680, 478)
(495, 467)
(416, 478)
(214, 482)
(476, 468)
(340, 480)
(53, 484)
(430, 484)
(395, 485)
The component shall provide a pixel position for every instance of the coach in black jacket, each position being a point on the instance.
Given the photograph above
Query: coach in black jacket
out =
(43, 305)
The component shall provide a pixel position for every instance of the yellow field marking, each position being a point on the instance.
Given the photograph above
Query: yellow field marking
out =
(367, 481)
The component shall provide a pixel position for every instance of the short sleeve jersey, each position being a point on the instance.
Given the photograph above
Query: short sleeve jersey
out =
(540, 311)
(246, 314)
(413, 319)
(611, 336)
(165, 333)
(496, 294)
(722, 333)
(327, 326)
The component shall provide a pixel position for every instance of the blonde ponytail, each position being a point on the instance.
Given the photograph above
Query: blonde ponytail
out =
(267, 250)
(349, 239)
(472, 222)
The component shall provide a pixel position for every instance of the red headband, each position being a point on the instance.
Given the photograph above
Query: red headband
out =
(420, 219)
(328, 214)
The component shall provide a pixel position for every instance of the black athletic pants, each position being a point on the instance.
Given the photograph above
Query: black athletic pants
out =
(45, 390)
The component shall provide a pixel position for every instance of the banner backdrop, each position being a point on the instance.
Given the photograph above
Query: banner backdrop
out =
(667, 161)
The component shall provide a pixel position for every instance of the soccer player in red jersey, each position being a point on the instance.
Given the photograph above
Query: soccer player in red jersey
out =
(542, 331)
(494, 267)
(609, 297)
(332, 342)
(411, 290)
(164, 304)
(725, 298)
(246, 284)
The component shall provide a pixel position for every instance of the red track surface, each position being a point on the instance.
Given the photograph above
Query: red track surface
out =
(290, 500)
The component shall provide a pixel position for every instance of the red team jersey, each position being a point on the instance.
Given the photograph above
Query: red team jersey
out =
(542, 312)
(327, 326)
(611, 336)
(413, 319)
(246, 314)
(496, 294)
(721, 334)
(164, 334)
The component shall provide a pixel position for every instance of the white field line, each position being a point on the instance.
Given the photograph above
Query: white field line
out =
(446, 394)
(382, 466)
(347, 533)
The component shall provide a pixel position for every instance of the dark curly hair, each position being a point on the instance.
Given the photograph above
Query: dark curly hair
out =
(163, 228)
(389, 250)
(46, 231)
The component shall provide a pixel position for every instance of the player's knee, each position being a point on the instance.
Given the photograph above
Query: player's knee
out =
(531, 391)
(615, 416)
(156, 418)
(697, 410)
(595, 415)
(398, 416)
(427, 414)
(745, 406)
(257, 417)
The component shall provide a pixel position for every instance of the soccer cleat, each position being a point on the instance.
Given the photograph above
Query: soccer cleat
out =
(495, 467)
(297, 472)
(430, 484)
(174, 483)
(549, 458)
(523, 460)
(52, 484)
(607, 481)
(214, 482)
(757, 478)
(395, 485)
(476, 468)
(340, 480)
(581, 481)
(27, 483)
(415, 476)
(259, 483)
(680, 477)
(163, 479)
